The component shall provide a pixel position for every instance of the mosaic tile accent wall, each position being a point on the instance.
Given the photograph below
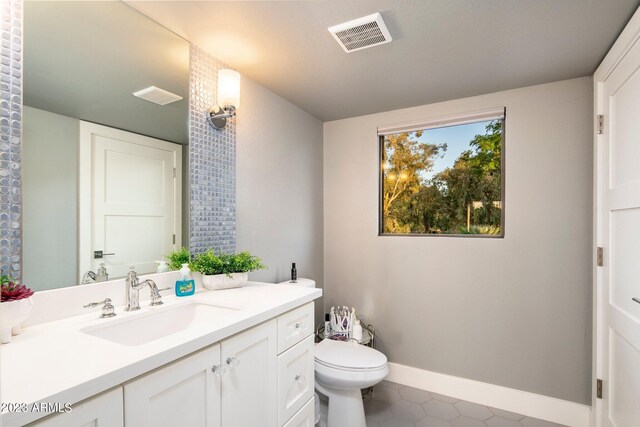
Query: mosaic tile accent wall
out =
(11, 137)
(212, 162)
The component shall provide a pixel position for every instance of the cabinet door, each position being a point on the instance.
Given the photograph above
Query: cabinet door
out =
(184, 393)
(249, 385)
(104, 410)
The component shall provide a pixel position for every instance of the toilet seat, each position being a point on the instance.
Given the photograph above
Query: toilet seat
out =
(348, 356)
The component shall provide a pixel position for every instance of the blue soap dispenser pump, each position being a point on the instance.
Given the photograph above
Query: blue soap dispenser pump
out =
(186, 285)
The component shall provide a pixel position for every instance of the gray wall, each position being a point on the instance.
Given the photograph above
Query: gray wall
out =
(50, 199)
(514, 311)
(279, 185)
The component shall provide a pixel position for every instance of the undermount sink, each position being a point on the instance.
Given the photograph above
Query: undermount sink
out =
(158, 324)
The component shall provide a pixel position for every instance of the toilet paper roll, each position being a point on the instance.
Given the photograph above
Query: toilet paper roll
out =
(305, 283)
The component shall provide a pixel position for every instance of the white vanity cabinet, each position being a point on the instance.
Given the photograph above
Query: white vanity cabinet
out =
(260, 377)
(183, 393)
(104, 409)
(231, 384)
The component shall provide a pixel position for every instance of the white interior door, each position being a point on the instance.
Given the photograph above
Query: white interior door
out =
(618, 324)
(130, 200)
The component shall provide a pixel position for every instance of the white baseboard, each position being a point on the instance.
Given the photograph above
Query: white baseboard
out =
(509, 399)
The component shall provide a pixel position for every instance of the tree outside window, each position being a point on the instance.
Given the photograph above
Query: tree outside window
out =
(444, 181)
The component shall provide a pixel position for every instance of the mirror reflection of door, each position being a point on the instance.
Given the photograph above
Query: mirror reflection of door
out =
(130, 200)
(80, 67)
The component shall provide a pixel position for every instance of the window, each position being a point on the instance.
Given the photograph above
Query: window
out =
(444, 177)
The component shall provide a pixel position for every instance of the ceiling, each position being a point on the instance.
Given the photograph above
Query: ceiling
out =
(85, 59)
(441, 49)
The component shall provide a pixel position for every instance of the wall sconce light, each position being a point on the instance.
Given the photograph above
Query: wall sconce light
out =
(228, 99)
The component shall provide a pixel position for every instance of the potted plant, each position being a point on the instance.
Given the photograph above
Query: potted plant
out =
(225, 271)
(179, 257)
(16, 306)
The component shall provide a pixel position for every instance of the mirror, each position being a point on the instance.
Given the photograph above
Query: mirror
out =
(102, 169)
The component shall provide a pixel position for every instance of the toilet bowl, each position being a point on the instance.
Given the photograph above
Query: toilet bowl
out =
(342, 369)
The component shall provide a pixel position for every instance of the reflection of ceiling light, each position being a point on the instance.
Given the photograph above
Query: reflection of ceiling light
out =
(157, 95)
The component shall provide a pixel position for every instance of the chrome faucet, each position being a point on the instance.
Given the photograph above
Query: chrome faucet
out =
(89, 277)
(133, 291)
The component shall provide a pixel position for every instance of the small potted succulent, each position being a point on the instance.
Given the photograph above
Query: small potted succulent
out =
(225, 271)
(15, 307)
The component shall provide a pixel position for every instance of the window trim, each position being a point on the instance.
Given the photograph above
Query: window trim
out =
(503, 180)
(443, 122)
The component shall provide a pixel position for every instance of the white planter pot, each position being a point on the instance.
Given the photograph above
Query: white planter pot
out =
(12, 314)
(222, 281)
(198, 278)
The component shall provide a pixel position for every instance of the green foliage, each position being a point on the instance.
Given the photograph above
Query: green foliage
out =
(466, 196)
(208, 263)
(480, 229)
(179, 257)
(5, 280)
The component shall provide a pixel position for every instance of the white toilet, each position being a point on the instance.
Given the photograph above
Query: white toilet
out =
(342, 369)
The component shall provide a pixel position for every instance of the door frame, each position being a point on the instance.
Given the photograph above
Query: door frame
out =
(85, 183)
(627, 39)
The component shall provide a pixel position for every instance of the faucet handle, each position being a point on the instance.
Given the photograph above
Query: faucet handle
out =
(156, 298)
(107, 309)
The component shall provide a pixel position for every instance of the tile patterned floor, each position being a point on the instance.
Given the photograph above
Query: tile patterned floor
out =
(394, 405)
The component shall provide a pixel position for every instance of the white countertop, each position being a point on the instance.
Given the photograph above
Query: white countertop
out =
(55, 362)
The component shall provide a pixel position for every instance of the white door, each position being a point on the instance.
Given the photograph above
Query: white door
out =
(185, 393)
(130, 202)
(102, 410)
(249, 385)
(618, 199)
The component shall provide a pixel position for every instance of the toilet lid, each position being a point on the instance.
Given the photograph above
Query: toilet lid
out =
(348, 355)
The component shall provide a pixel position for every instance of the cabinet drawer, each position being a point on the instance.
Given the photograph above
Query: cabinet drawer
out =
(296, 380)
(305, 416)
(294, 326)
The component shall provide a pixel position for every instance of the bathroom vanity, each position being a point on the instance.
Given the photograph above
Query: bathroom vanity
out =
(240, 357)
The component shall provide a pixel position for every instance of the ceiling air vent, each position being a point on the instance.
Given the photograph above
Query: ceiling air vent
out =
(157, 95)
(361, 33)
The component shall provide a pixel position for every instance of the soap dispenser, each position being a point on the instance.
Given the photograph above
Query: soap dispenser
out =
(163, 267)
(186, 285)
(102, 275)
